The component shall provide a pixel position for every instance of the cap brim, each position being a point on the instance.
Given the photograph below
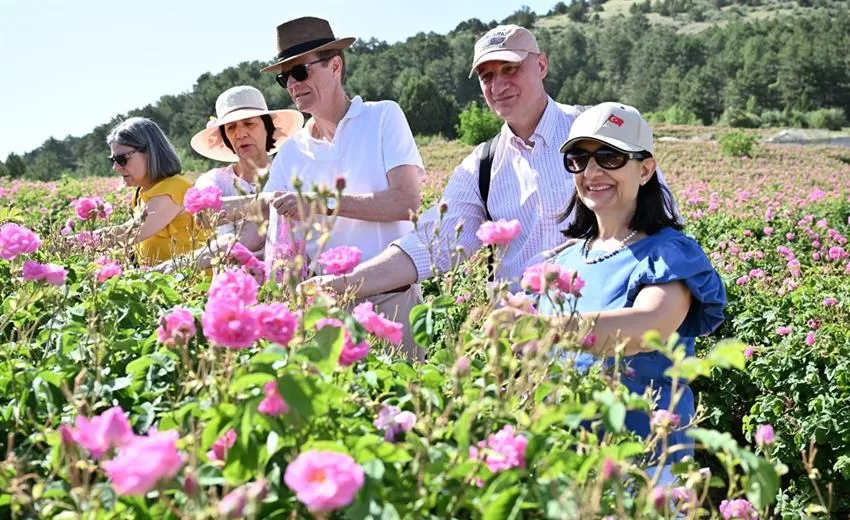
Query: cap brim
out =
(512, 56)
(614, 143)
(342, 43)
(208, 142)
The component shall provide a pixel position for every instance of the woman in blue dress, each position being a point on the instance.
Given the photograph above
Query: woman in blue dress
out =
(641, 272)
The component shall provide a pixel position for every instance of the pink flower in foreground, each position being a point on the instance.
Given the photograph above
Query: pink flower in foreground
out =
(610, 468)
(664, 420)
(539, 278)
(16, 240)
(230, 323)
(499, 233)
(111, 429)
(519, 301)
(502, 450)
(240, 253)
(683, 497)
(50, 273)
(351, 352)
(176, 328)
(739, 508)
(783, 331)
(393, 421)
(829, 302)
(144, 462)
(340, 260)
(277, 324)
(764, 435)
(92, 207)
(749, 351)
(273, 403)
(658, 498)
(221, 445)
(810, 338)
(378, 324)
(234, 284)
(106, 269)
(324, 481)
(197, 200)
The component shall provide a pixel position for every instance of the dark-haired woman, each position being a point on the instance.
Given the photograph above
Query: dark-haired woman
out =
(641, 272)
(244, 134)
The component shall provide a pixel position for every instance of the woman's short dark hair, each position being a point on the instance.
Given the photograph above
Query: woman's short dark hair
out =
(146, 136)
(270, 130)
(654, 211)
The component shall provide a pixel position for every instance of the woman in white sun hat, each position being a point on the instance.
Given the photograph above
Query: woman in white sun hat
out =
(244, 133)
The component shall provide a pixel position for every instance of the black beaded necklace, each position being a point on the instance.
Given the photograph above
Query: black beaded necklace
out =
(585, 248)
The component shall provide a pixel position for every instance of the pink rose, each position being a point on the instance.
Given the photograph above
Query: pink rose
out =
(324, 481)
(92, 207)
(221, 445)
(144, 462)
(378, 324)
(351, 352)
(277, 324)
(16, 240)
(111, 429)
(273, 403)
(783, 331)
(764, 435)
(500, 233)
(829, 302)
(540, 278)
(393, 421)
(229, 322)
(234, 284)
(739, 508)
(340, 260)
(810, 338)
(502, 450)
(106, 269)
(610, 468)
(176, 328)
(50, 273)
(241, 254)
(749, 351)
(664, 420)
(197, 200)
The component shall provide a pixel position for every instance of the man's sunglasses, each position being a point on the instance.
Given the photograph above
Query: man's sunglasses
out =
(121, 159)
(575, 160)
(299, 72)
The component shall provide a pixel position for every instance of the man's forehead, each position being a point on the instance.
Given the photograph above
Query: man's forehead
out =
(494, 65)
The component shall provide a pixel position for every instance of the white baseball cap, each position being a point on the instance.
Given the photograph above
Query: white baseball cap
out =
(504, 43)
(615, 124)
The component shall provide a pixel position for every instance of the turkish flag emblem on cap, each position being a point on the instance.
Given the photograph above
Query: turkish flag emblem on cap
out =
(616, 120)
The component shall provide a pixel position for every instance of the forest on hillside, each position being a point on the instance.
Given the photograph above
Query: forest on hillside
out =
(775, 71)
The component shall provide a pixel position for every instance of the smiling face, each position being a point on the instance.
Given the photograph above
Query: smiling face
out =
(318, 88)
(135, 171)
(248, 138)
(612, 191)
(510, 88)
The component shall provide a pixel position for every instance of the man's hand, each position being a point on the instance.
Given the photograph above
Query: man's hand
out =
(326, 282)
(288, 204)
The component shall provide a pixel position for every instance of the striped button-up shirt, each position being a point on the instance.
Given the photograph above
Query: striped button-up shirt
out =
(528, 183)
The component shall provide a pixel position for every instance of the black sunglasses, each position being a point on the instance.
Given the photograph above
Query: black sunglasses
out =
(122, 158)
(575, 160)
(299, 72)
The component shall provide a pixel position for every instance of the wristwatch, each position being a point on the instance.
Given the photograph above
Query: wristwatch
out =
(331, 203)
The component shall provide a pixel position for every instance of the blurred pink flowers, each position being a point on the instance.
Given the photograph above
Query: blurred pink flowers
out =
(50, 273)
(221, 445)
(502, 450)
(500, 232)
(764, 435)
(234, 284)
(540, 278)
(273, 403)
(739, 508)
(176, 328)
(324, 481)
(98, 435)
(277, 324)
(351, 352)
(378, 324)
(145, 461)
(229, 322)
(783, 331)
(16, 240)
(106, 269)
(393, 421)
(92, 208)
(197, 200)
(340, 260)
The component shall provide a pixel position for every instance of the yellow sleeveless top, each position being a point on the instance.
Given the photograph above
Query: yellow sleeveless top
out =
(180, 236)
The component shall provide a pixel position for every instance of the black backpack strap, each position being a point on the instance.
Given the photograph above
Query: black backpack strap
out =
(485, 168)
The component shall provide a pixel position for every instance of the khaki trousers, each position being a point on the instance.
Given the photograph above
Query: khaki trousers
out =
(397, 306)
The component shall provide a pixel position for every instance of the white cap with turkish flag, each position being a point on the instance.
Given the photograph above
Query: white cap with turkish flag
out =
(615, 124)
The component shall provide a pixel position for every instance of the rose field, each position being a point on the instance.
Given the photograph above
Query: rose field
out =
(135, 394)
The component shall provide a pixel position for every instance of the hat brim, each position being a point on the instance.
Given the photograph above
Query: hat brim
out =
(504, 55)
(614, 143)
(341, 43)
(208, 142)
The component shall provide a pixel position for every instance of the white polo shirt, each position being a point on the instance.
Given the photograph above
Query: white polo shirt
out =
(370, 140)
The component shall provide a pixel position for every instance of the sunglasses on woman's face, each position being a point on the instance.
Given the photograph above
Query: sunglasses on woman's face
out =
(299, 72)
(575, 160)
(121, 159)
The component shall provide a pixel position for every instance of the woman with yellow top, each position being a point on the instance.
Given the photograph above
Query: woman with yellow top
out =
(146, 160)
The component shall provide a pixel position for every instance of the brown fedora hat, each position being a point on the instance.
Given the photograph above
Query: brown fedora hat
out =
(301, 36)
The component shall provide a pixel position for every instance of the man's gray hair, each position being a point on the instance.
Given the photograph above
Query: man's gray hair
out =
(144, 135)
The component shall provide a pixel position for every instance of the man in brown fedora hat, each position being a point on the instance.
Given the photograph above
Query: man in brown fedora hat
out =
(368, 145)
(526, 180)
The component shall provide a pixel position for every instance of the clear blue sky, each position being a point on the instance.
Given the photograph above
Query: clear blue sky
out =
(69, 65)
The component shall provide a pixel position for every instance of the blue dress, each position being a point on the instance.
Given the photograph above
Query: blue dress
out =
(614, 283)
